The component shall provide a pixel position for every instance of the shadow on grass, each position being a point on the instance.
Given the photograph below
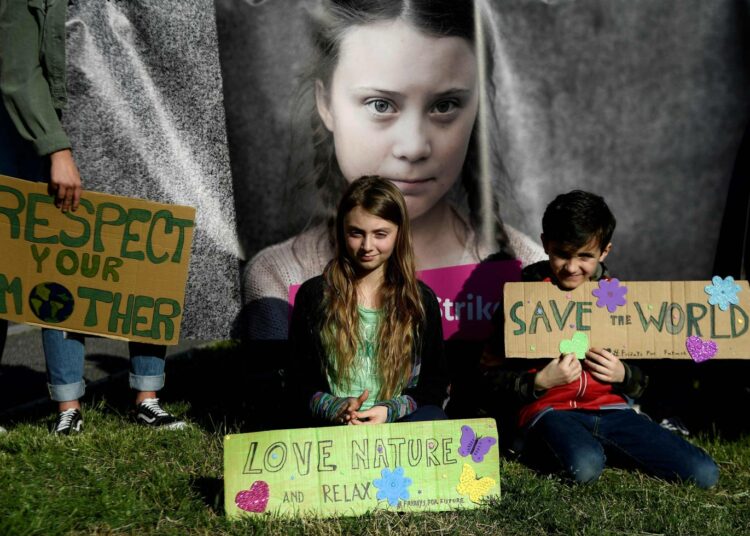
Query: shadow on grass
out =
(233, 387)
(224, 386)
(704, 396)
(211, 491)
(19, 384)
(240, 387)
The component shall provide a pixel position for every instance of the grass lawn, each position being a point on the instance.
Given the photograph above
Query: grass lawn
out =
(120, 478)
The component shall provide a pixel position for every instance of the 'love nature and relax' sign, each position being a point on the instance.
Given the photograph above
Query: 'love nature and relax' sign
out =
(116, 267)
(657, 319)
(350, 470)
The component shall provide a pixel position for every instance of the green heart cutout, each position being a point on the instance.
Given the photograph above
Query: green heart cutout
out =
(578, 345)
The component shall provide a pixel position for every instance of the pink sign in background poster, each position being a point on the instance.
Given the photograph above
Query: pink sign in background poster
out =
(468, 295)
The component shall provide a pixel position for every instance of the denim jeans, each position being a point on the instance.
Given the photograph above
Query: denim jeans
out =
(577, 444)
(64, 353)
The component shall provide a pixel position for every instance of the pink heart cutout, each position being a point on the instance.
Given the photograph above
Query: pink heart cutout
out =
(699, 349)
(254, 499)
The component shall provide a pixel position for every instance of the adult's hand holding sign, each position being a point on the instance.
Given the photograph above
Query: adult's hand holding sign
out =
(116, 267)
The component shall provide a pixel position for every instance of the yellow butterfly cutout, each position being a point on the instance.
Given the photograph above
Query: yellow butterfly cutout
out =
(469, 484)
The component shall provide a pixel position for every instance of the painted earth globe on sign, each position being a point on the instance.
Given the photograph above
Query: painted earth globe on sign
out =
(51, 302)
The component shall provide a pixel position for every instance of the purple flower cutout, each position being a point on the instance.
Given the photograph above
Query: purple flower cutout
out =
(393, 486)
(610, 294)
(723, 292)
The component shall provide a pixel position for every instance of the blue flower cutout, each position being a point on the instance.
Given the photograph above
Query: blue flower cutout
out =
(393, 486)
(611, 294)
(723, 292)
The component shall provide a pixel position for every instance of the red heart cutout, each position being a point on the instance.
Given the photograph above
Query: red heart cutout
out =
(254, 499)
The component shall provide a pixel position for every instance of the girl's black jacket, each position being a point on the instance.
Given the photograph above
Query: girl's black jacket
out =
(428, 381)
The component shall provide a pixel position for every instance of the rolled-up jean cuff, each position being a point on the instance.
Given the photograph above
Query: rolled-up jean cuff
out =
(66, 392)
(146, 383)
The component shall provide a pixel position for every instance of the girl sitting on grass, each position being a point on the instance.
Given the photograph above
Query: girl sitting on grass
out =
(367, 335)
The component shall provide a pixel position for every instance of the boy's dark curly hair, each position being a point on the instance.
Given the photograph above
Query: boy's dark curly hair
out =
(577, 218)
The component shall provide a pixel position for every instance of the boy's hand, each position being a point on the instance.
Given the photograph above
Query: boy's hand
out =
(604, 366)
(349, 410)
(559, 371)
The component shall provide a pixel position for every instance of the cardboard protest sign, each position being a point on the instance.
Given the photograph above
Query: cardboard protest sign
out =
(116, 267)
(350, 470)
(658, 319)
(468, 296)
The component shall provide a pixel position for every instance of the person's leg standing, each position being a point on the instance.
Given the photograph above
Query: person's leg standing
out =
(63, 351)
(147, 362)
(17, 159)
(64, 354)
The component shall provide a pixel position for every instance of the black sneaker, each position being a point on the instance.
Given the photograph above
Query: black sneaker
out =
(150, 413)
(68, 422)
(674, 424)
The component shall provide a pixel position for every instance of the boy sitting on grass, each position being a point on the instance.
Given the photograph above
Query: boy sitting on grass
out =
(576, 415)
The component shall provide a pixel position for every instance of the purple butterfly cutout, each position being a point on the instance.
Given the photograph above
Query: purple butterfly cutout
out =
(476, 446)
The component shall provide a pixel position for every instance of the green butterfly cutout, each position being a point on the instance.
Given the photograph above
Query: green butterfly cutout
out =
(578, 345)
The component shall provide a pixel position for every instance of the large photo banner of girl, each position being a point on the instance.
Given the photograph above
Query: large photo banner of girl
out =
(258, 112)
(481, 113)
(351, 470)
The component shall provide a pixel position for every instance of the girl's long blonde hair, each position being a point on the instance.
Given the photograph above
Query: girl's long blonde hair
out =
(400, 296)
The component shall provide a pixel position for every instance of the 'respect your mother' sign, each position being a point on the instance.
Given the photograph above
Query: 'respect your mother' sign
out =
(699, 320)
(116, 267)
(350, 470)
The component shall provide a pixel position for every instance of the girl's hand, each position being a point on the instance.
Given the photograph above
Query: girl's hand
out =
(558, 371)
(604, 366)
(349, 409)
(374, 415)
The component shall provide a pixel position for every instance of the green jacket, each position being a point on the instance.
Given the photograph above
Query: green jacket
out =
(32, 70)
